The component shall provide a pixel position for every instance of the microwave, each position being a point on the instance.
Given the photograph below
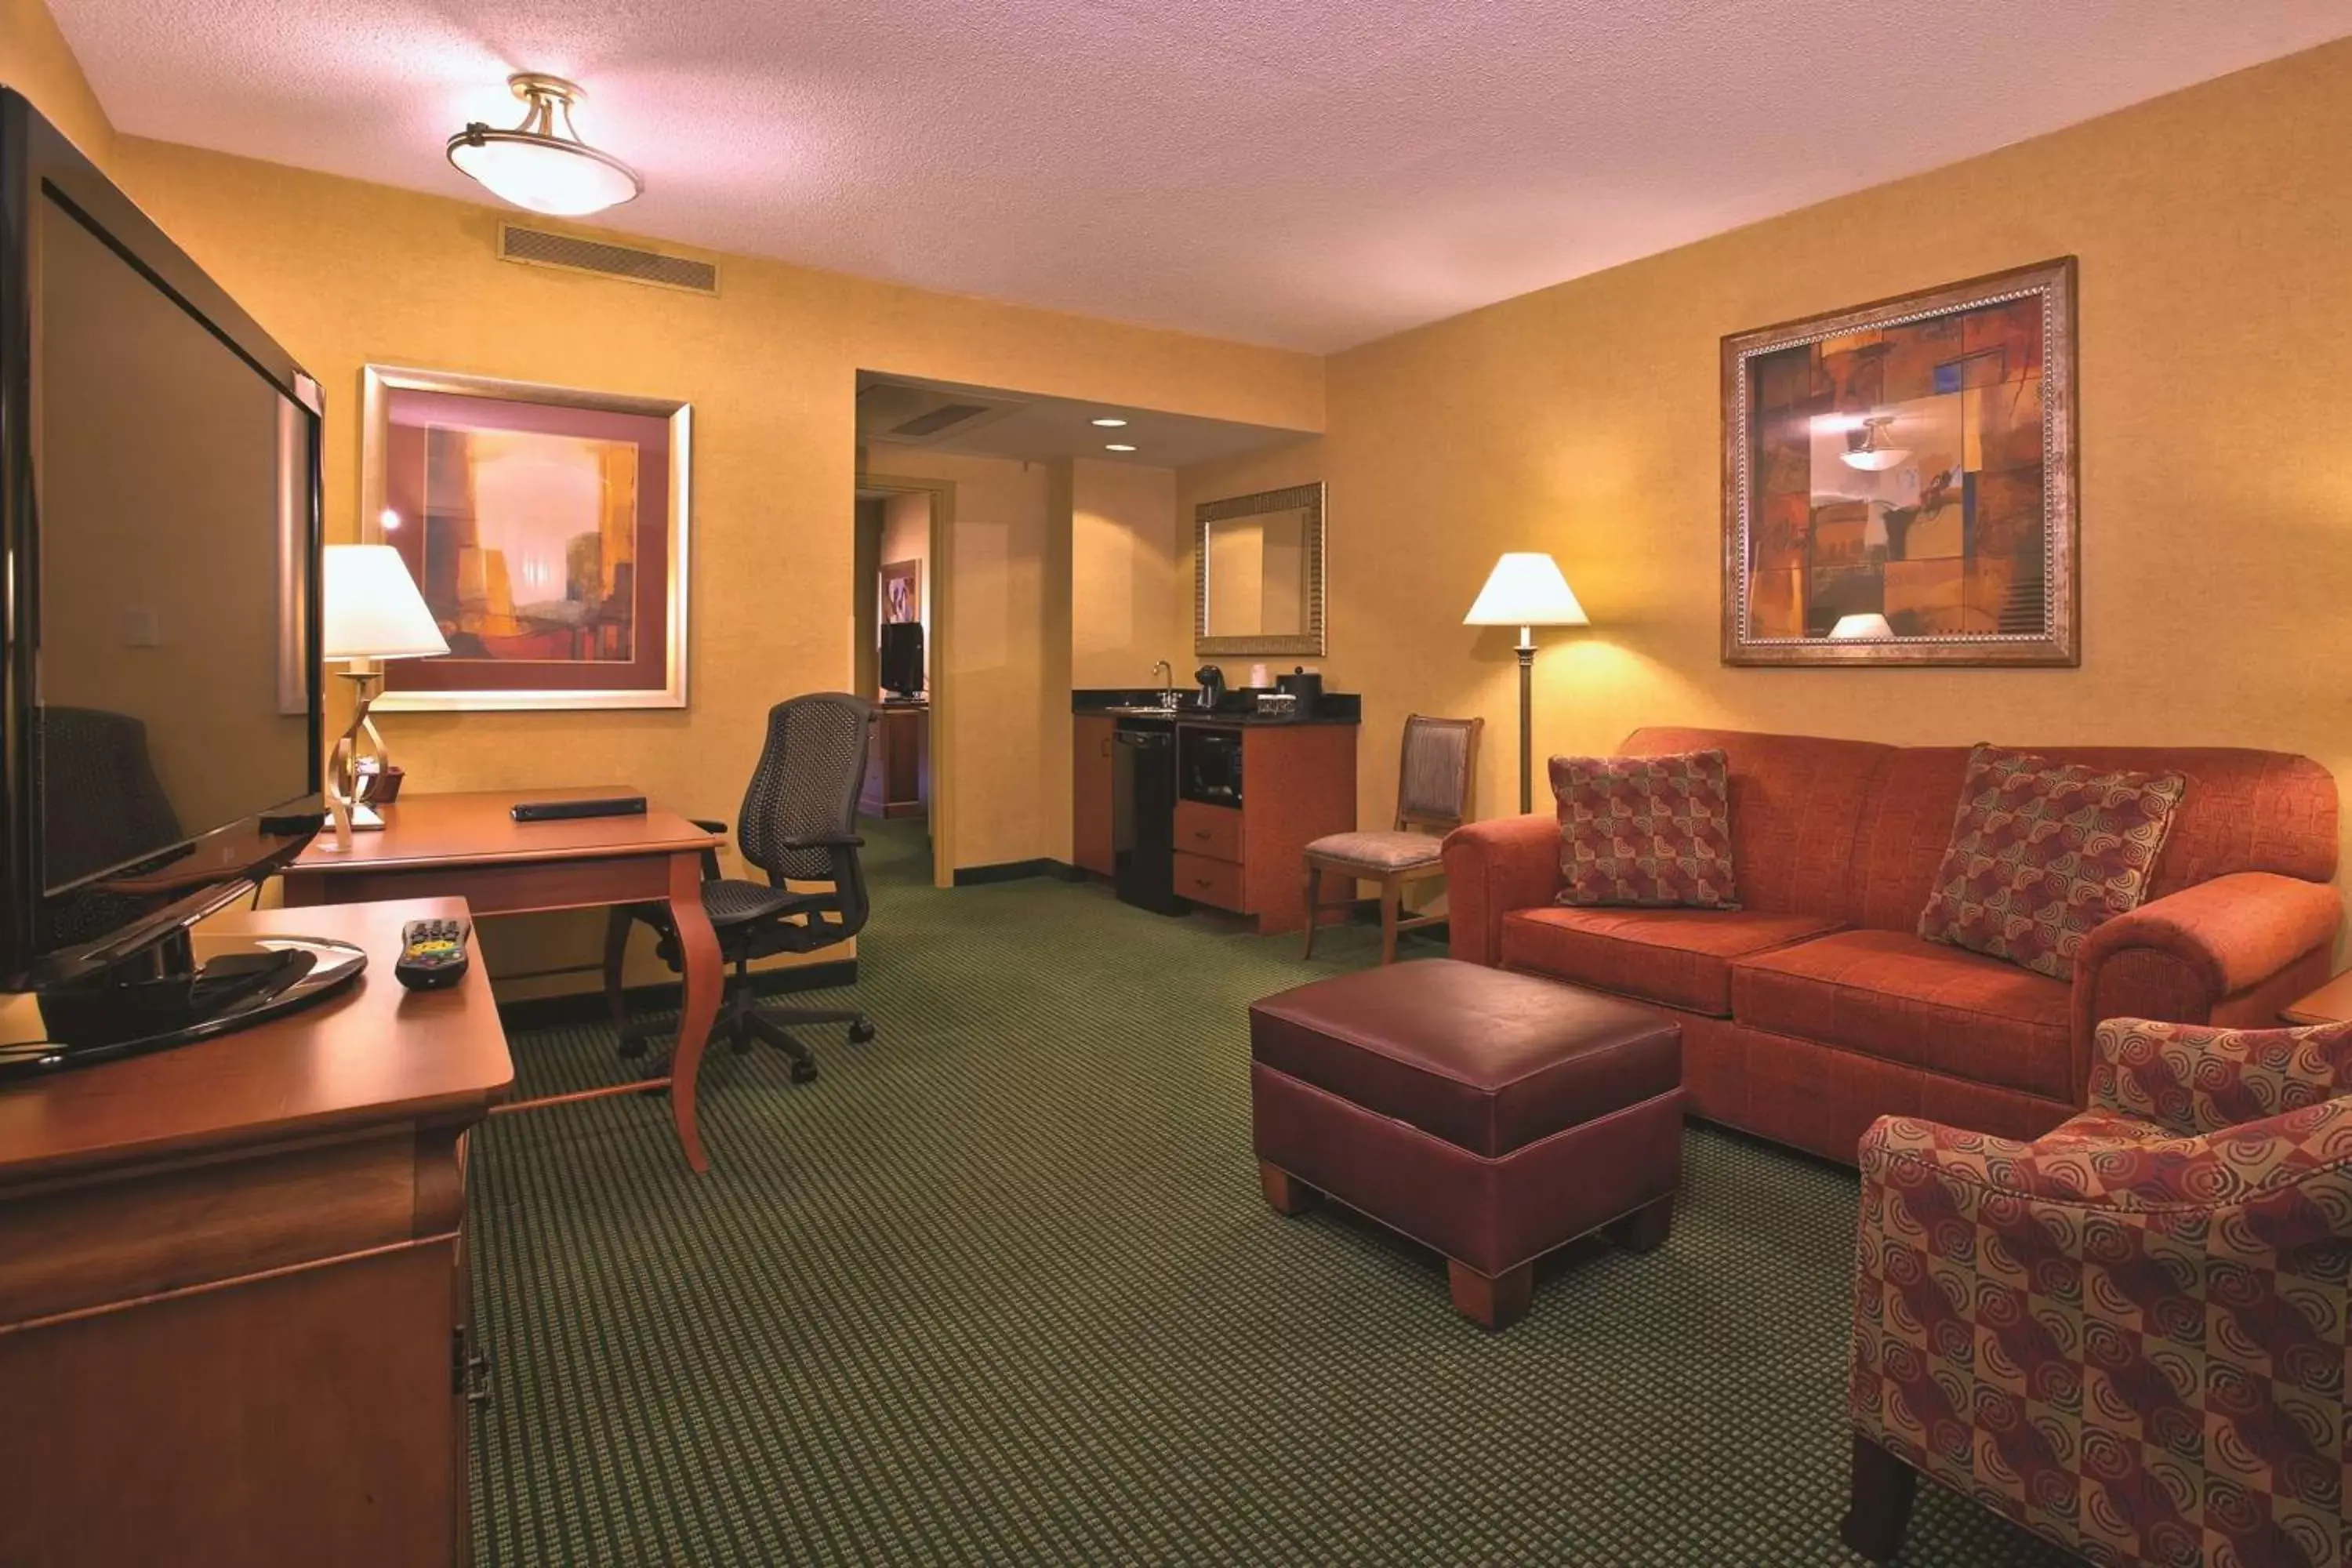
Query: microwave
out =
(1209, 764)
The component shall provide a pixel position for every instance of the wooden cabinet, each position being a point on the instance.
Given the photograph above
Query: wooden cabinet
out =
(235, 1323)
(1090, 783)
(1299, 783)
(897, 762)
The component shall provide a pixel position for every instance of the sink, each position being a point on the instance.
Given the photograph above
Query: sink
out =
(1154, 711)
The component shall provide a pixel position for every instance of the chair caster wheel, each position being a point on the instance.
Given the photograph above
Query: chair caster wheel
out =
(633, 1047)
(861, 1032)
(803, 1072)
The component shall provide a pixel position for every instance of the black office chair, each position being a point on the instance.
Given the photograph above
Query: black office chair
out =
(799, 824)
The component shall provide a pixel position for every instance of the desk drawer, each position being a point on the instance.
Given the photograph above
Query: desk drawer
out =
(1206, 881)
(1215, 831)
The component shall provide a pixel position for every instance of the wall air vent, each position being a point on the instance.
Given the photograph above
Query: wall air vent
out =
(628, 263)
(938, 421)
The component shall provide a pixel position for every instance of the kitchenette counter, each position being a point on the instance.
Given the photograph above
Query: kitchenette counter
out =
(1332, 708)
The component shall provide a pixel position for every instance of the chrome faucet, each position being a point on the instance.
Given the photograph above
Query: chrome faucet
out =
(1167, 672)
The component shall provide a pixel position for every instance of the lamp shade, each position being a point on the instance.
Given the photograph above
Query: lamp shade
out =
(373, 607)
(1525, 589)
(1851, 626)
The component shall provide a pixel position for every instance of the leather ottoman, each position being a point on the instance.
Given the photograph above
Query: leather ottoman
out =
(1491, 1116)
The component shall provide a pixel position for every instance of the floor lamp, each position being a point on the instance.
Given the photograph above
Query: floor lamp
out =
(1527, 591)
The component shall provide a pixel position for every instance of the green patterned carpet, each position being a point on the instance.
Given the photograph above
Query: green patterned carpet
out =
(998, 1287)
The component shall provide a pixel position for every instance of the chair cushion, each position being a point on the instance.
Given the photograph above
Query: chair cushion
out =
(2043, 853)
(1905, 999)
(1651, 832)
(1486, 1060)
(1379, 851)
(1680, 957)
(729, 901)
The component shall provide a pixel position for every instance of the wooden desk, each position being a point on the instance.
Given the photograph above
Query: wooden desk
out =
(235, 1319)
(468, 845)
(2331, 1003)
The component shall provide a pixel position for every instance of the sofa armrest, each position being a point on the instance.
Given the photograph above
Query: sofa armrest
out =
(1492, 867)
(2176, 958)
(2195, 1079)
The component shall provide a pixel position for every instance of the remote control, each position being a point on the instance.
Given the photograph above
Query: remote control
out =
(564, 810)
(432, 954)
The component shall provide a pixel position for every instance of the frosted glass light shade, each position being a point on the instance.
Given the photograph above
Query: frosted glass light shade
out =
(1525, 589)
(543, 164)
(1862, 626)
(372, 608)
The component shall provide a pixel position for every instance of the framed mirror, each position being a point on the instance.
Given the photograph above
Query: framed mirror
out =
(1257, 580)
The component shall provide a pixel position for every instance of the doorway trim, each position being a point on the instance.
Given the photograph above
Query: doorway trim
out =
(942, 598)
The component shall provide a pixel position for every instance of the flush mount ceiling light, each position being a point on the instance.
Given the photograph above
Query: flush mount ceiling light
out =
(1117, 446)
(1109, 424)
(1870, 449)
(541, 163)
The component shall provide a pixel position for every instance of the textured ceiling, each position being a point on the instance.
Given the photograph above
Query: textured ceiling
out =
(1307, 173)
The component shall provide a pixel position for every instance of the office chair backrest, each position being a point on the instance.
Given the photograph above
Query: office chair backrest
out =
(805, 789)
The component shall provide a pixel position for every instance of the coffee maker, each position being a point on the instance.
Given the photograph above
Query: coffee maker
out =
(1213, 688)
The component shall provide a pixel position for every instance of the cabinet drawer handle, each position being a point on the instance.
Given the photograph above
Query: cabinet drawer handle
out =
(1200, 833)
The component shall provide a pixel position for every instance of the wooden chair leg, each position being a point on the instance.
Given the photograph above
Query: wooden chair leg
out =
(1285, 1193)
(1391, 897)
(1314, 910)
(1884, 1488)
(1493, 1301)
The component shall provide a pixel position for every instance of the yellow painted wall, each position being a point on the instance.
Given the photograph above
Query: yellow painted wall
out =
(996, 649)
(2216, 352)
(36, 61)
(1127, 599)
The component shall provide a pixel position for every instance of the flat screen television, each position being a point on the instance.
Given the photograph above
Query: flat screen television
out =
(158, 518)
(902, 658)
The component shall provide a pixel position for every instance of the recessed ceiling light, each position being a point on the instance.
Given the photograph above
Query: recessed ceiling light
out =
(1109, 424)
(1117, 446)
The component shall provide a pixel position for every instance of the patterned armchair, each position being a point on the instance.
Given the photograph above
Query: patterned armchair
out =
(2128, 1335)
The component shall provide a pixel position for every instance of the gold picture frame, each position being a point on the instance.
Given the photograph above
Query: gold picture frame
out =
(618, 641)
(1905, 474)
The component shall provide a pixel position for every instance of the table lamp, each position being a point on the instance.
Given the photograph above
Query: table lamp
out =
(373, 612)
(1527, 591)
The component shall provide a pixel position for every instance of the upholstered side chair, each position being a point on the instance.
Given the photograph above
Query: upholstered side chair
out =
(2129, 1334)
(1437, 779)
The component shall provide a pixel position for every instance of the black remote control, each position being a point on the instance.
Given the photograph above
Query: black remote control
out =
(564, 810)
(432, 954)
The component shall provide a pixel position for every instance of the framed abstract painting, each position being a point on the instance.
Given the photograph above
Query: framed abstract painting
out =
(1899, 480)
(547, 529)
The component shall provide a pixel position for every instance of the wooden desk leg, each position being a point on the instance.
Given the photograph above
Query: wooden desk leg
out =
(705, 977)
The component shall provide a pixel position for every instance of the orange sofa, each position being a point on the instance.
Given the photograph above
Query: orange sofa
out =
(1816, 1008)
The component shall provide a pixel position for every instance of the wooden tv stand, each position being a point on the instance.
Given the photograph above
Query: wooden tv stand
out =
(235, 1315)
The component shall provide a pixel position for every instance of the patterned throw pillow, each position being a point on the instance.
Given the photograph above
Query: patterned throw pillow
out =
(1653, 832)
(2043, 853)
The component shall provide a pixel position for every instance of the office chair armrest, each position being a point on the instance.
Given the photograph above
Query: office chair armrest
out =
(708, 825)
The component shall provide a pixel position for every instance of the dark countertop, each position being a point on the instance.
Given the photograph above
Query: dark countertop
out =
(1335, 708)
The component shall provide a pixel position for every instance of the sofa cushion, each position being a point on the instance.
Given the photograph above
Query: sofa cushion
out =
(2042, 855)
(1797, 810)
(1679, 957)
(1647, 832)
(1900, 997)
(2245, 811)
